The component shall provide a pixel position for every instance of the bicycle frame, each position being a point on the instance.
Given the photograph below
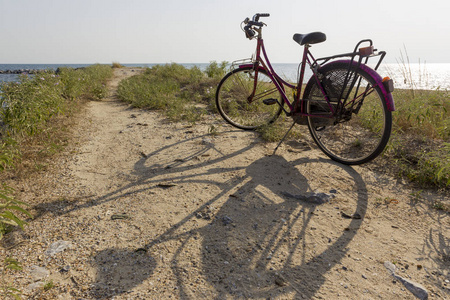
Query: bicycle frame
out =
(296, 107)
(279, 82)
(347, 124)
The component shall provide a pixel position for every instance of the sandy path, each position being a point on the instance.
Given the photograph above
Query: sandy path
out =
(155, 210)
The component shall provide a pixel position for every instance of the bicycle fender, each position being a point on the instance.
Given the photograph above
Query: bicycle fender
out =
(379, 82)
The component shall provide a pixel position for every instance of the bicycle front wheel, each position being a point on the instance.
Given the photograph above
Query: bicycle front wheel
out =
(248, 99)
(362, 124)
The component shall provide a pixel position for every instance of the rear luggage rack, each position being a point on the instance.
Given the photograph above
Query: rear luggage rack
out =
(359, 56)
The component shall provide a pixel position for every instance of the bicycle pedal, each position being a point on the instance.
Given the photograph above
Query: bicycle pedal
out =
(270, 101)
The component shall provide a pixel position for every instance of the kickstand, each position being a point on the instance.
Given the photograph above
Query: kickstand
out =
(279, 144)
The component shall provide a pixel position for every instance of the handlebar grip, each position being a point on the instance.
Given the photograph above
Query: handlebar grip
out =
(257, 16)
(253, 23)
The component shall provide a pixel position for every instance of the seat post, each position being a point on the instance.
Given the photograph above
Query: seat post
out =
(302, 76)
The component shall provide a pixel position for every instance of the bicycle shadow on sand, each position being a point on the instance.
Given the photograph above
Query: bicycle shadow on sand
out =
(257, 242)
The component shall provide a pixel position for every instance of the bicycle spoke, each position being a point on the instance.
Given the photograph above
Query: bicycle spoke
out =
(361, 126)
(237, 107)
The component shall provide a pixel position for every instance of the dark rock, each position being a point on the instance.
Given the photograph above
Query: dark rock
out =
(280, 281)
(351, 216)
(65, 269)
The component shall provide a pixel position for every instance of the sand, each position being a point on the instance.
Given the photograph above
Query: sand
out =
(149, 209)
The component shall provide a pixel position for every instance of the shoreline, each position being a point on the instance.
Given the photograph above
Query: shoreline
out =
(417, 76)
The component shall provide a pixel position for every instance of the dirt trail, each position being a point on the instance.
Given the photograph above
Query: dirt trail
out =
(155, 210)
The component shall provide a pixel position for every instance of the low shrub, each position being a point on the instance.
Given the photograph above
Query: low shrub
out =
(27, 110)
(421, 136)
(183, 94)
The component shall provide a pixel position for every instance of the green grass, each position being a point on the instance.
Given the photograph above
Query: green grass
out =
(30, 103)
(87, 82)
(276, 131)
(9, 209)
(182, 94)
(420, 142)
(423, 112)
(31, 111)
(8, 291)
(48, 285)
(117, 65)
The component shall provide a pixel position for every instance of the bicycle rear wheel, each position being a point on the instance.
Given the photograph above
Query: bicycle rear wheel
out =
(361, 128)
(239, 108)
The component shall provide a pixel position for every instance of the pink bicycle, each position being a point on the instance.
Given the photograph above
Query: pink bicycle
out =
(346, 104)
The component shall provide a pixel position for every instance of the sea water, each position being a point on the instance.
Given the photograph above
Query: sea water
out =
(417, 76)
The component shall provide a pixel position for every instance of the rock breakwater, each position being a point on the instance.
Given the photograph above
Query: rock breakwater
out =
(20, 71)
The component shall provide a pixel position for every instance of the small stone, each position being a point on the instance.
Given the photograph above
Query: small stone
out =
(363, 276)
(38, 273)
(416, 289)
(390, 267)
(206, 141)
(356, 216)
(57, 247)
(280, 281)
(35, 285)
(120, 217)
(226, 220)
(65, 269)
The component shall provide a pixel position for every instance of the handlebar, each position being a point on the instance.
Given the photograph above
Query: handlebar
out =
(249, 32)
(255, 20)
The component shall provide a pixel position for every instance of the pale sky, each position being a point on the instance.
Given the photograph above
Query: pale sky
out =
(200, 31)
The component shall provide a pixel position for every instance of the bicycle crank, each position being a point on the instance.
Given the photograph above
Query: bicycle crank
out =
(270, 101)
